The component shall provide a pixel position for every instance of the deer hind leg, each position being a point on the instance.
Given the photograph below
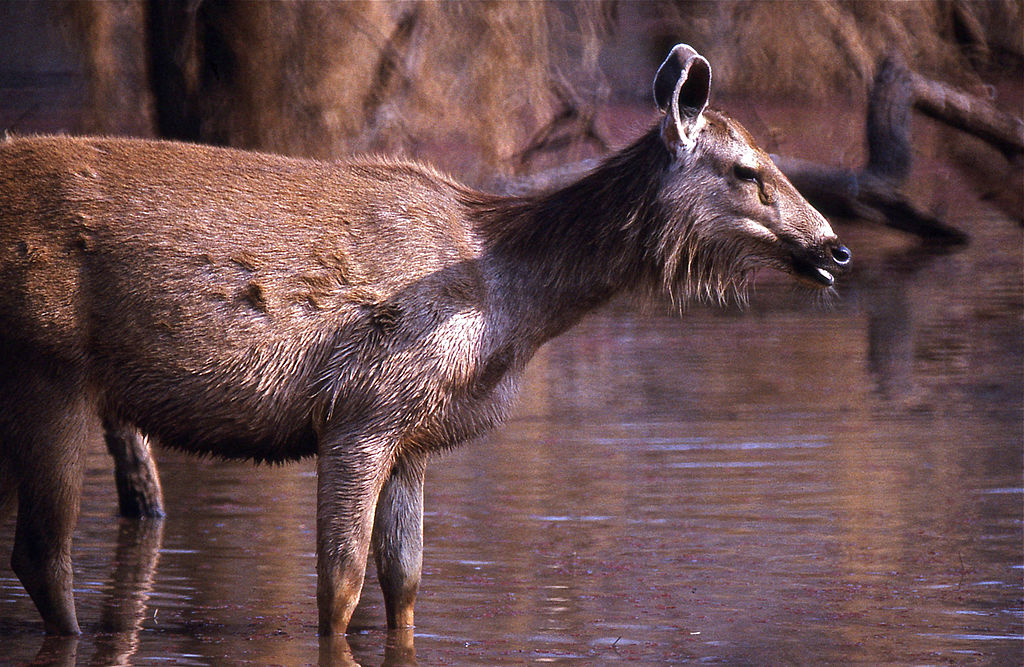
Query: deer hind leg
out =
(350, 474)
(139, 495)
(43, 437)
(398, 538)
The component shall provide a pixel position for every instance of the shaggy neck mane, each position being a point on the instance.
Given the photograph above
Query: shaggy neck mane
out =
(571, 249)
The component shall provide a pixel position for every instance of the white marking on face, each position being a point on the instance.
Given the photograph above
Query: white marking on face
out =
(757, 230)
(748, 158)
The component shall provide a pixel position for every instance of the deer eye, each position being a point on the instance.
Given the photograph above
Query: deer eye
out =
(745, 173)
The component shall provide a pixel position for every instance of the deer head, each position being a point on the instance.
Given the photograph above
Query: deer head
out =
(729, 209)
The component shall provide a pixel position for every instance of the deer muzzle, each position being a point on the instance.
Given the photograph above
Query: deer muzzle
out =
(820, 266)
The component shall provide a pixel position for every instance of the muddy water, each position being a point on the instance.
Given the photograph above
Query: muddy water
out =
(787, 484)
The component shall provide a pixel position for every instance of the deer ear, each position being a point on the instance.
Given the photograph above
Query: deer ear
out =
(681, 90)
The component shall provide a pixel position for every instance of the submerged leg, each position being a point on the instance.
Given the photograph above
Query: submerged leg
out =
(350, 474)
(398, 539)
(139, 495)
(43, 439)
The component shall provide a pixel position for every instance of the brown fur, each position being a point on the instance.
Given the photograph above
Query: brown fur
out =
(370, 312)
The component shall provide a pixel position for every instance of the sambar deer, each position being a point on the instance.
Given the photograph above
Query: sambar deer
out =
(370, 312)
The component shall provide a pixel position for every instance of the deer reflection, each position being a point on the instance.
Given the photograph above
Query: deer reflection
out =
(57, 650)
(399, 649)
(138, 550)
(124, 609)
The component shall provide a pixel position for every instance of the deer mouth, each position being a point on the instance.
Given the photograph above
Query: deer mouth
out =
(820, 269)
(808, 272)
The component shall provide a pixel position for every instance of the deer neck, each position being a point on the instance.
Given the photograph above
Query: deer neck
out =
(570, 250)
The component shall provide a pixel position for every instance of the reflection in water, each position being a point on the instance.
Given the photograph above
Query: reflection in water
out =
(124, 609)
(399, 649)
(336, 651)
(890, 332)
(57, 651)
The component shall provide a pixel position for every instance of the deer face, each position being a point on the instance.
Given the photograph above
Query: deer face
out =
(730, 209)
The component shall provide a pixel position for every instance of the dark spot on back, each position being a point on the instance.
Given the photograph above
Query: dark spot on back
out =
(254, 294)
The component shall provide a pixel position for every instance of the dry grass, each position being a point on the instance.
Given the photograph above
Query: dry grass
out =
(472, 85)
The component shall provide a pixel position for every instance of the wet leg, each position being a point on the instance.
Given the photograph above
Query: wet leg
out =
(49, 462)
(350, 474)
(139, 495)
(398, 539)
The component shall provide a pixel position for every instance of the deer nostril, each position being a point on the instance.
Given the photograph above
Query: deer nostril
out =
(841, 255)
